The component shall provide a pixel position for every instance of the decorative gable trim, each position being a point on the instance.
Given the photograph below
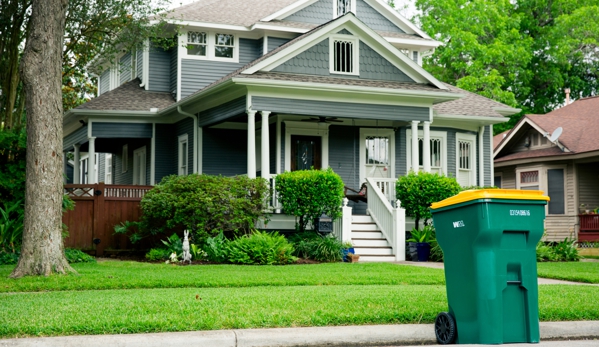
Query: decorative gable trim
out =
(367, 35)
(289, 10)
(391, 14)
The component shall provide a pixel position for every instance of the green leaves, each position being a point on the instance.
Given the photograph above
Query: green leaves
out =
(307, 194)
(417, 191)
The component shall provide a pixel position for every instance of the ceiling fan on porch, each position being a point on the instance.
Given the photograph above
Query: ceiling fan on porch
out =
(322, 120)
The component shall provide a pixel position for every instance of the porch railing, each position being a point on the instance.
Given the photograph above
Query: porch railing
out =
(391, 220)
(342, 226)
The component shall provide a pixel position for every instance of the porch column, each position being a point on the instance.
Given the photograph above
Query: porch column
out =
(415, 145)
(77, 165)
(251, 154)
(265, 146)
(481, 157)
(426, 147)
(91, 161)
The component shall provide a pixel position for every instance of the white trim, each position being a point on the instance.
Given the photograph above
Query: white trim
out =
(181, 52)
(153, 156)
(139, 166)
(92, 172)
(355, 54)
(182, 139)
(481, 157)
(364, 132)
(265, 145)
(395, 17)
(491, 155)
(411, 43)
(472, 156)
(108, 179)
(307, 129)
(265, 45)
(251, 144)
(521, 169)
(145, 82)
(211, 46)
(442, 135)
(278, 146)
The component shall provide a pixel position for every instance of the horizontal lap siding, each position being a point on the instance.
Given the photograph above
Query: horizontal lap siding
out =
(125, 68)
(559, 227)
(173, 69)
(275, 42)
(197, 74)
(166, 151)
(159, 70)
(121, 177)
(374, 19)
(122, 130)
(79, 136)
(224, 111)
(401, 152)
(140, 63)
(451, 153)
(224, 152)
(487, 155)
(588, 184)
(104, 82)
(318, 13)
(340, 109)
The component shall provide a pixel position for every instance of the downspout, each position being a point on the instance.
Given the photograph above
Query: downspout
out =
(195, 137)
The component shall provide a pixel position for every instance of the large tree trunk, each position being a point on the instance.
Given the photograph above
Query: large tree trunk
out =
(42, 252)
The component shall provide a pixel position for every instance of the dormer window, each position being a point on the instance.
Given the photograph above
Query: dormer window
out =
(344, 55)
(212, 46)
(196, 43)
(224, 45)
(345, 6)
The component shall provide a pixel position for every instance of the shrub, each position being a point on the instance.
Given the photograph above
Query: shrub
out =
(562, 251)
(8, 258)
(311, 245)
(417, 191)
(77, 256)
(215, 248)
(307, 194)
(260, 248)
(158, 254)
(11, 227)
(203, 204)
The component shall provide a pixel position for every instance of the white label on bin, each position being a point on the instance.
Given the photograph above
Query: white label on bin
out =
(520, 213)
(459, 224)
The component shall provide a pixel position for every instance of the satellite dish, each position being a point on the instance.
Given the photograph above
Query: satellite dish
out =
(556, 134)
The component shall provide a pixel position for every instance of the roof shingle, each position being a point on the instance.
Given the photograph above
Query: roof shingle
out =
(129, 97)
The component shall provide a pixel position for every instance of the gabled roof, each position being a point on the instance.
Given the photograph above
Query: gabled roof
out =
(498, 138)
(472, 105)
(580, 124)
(129, 97)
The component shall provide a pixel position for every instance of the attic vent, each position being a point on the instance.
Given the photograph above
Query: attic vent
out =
(343, 56)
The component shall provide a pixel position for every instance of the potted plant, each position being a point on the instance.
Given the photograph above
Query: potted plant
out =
(422, 238)
(348, 248)
(353, 258)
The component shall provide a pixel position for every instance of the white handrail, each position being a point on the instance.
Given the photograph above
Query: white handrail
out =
(391, 221)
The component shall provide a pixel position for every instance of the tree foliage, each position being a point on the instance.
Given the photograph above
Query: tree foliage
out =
(522, 53)
(417, 191)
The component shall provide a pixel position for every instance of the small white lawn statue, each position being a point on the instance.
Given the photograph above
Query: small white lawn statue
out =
(186, 254)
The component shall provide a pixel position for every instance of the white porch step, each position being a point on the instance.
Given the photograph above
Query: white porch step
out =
(374, 234)
(377, 258)
(361, 218)
(373, 250)
(364, 227)
(370, 242)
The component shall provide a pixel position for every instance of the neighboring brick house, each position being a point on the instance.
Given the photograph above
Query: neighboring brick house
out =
(566, 169)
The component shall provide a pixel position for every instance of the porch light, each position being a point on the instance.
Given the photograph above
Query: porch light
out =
(324, 224)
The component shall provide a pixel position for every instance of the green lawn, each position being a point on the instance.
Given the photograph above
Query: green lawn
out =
(180, 298)
(587, 272)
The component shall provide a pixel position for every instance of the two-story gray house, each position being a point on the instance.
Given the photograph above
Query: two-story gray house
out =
(261, 87)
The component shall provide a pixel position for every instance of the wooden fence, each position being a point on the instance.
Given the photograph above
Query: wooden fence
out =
(98, 208)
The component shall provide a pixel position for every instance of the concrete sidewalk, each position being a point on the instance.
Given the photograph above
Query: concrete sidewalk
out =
(372, 335)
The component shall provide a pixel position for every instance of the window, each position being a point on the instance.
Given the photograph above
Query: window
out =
(344, 57)
(224, 45)
(211, 45)
(183, 155)
(196, 43)
(438, 150)
(529, 180)
(497, 181)
(125, 159)
(344, 6)
(555, 191)
(108, 173)
(377, 150)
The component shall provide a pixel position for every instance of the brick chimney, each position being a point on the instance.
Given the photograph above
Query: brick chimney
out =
(567, 91)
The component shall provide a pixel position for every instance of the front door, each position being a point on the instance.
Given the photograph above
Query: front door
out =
(377, 153)
(305, 152)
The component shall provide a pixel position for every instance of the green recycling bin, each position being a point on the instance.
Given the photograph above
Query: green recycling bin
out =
(489, 239)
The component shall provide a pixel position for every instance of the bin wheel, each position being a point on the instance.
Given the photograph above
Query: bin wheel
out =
(445, 328)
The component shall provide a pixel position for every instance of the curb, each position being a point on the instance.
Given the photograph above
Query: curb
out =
(370, 335)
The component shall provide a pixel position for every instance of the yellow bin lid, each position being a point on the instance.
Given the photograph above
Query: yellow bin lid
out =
(506, 194)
